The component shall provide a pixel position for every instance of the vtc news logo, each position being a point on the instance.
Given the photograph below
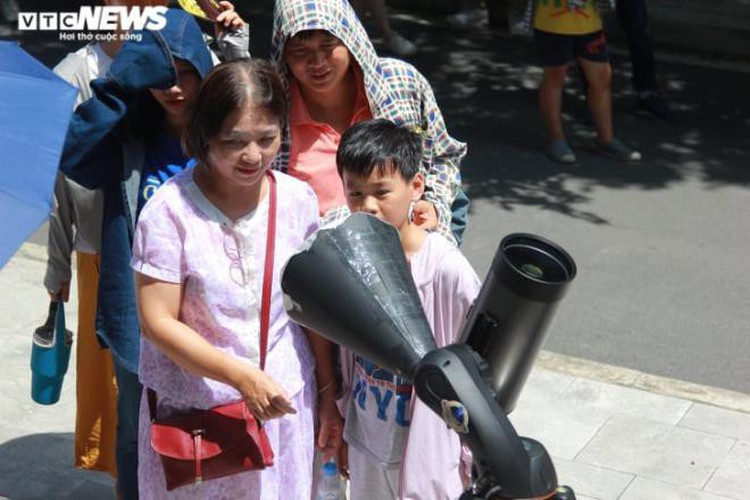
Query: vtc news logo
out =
(95, 18)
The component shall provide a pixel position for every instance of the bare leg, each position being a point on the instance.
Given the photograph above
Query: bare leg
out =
(599, 97)
(550, 100)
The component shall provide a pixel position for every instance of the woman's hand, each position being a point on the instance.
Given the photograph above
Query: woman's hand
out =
(331, 427)
(263, 396)
(228, 18)
(424, 215)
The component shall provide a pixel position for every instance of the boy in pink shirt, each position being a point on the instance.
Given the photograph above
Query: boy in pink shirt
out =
(397, 447)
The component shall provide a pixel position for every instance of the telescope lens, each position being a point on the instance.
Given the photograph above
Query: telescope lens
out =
(538, 260)
(509, 320)
(533, 271)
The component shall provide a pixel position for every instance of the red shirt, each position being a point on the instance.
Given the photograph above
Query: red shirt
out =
(312, 154)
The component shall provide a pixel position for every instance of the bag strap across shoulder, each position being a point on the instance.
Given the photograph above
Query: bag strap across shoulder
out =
(265, 297)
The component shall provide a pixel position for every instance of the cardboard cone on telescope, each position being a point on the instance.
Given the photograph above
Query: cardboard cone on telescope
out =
(352, 285)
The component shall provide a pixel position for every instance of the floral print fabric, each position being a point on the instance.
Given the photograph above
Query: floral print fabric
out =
(182, 238)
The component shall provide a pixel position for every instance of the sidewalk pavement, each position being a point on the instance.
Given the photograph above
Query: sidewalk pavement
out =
(613, 433)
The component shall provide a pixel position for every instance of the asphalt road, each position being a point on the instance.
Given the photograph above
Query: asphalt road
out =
(663, 280)
(661, 247)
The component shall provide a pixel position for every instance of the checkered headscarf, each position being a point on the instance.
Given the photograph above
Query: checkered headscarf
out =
(395, 91)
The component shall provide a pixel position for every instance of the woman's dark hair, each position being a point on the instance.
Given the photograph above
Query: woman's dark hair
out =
(227, 88)
(379, 144)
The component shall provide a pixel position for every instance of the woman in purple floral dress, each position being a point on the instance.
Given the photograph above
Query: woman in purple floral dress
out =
(199, 255)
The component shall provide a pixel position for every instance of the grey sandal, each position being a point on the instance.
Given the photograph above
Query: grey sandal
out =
(560, 151)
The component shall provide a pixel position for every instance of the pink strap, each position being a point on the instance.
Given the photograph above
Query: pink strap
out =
(265, 309)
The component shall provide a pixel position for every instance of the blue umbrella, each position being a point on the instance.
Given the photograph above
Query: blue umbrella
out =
(35, 108)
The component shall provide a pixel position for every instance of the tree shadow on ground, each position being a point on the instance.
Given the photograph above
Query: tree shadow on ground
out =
(41, 466)
(486, 86)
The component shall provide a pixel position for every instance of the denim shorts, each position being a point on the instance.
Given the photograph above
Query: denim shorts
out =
(558, 50)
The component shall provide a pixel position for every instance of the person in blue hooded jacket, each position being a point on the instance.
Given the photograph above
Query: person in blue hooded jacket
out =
(126, 141)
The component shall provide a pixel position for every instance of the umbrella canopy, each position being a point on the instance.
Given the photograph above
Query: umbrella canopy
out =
(35, 108)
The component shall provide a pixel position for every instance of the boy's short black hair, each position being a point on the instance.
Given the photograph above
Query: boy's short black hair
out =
(379, 144)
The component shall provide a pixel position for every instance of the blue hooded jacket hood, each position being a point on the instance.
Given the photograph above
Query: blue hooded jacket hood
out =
(184, 40)
(145, 61)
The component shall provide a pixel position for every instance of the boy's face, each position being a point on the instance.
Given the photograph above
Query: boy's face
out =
(318, 60)
(384, 194)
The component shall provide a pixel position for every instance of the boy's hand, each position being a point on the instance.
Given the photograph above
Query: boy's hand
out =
(343, 460)
(228, 18)
(425, 215)
(330, 433)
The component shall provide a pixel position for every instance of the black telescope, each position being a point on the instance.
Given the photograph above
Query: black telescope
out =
(510, 318)
(352, 284)
(475, 383)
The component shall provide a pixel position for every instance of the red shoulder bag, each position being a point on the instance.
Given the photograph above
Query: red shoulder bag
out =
(226, 439)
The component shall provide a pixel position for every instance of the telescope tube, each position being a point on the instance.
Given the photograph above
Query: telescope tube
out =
(510, 318)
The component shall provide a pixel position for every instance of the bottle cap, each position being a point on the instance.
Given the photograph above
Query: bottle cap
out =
(330, 469)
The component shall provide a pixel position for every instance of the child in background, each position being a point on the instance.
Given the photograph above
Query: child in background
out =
(397, 447)
(572, 29)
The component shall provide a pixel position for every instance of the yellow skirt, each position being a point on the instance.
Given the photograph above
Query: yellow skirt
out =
(96, 388)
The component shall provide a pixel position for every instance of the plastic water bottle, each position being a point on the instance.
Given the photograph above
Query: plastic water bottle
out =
(330, 485)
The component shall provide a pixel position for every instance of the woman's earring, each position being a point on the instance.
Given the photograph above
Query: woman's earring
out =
(410, 212)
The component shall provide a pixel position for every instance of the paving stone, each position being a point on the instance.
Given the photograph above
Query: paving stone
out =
(48, 459)
(546, 383)
(719, 421)
(596, 482)
(92, 490)
(542, 396)
(732, 476)
(36, 482)
(12, 400)
(51, 419)
(648, 489)
(563, 427)
(658, 451)
(628, 401)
